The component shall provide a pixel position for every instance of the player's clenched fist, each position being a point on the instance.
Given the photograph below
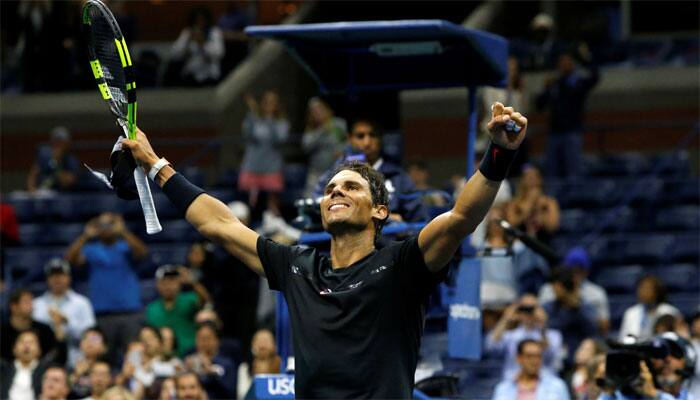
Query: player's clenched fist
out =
(507, 126)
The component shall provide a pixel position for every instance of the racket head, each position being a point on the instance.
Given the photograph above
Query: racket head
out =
(110, 63)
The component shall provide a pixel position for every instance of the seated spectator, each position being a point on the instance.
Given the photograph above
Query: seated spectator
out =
(54, 384)
(175, 308)
(21, 379)
(265, 130)
(117, 393)
(498, 275)
(417, 171)
(197, 52)
(167, 390)
(216, 372)
(265, 361)
(92, 350)
(188, 387)
(61, 305)
(20, 320)
(100, 380)
(169, 341)
(595, 377)
(695, 340)
(671, 323)
(365, 143)
(524, 320)
(532, 381)
(54, 168)
(322, 141)
(532, 211)
(569, 313)
(111, 252)
(579, 263)
(587, 351)
(639, 319)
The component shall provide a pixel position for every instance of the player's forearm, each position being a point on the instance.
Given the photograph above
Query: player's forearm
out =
(474, 202)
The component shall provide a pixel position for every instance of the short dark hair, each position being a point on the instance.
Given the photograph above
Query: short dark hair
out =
(211, 325)
(153, 329)
(95, 329)
(17, 294)
(374, 125)
(525, 342)
(380, 195)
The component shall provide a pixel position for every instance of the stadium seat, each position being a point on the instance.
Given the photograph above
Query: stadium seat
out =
(687, 303)
(24, 209)
(679, 218)
(572, 220)
(624, 164)
(681, 191)
(294, 183)
(587, 193)
(619, 279)
(674, 164)
(686, 248)
(679, 277)
(174, 253)
(647, 249)
(642, 191)
(26, 264)
(48, 233)
(174, 231)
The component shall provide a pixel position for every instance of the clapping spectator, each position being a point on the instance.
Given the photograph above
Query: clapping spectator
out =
(216, 372)
(525, 319)
(639, 319)
(54, 168)
(265, 130)
(265, 361)
(111, 251)
(176, 308)
(92, 350)
(54, 384)
(198, 50)
(531, 382)
(60, 305)
(579, 263)
(100, 380)
(587, 351)
(322, 141)
(532, 211)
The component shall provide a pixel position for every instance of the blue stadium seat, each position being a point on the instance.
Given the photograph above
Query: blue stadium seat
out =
(227, 179)
(587, 193)
(26, 264)
(174, 231)
(169, 254)
(24, 209)
(647, 250)
(681, 191)
(294, 183)
(674, 164)
(619, 279)
(687, 303)
(572, 220)
(686, 248)
(49, 233)
(639, 191)
(679, 218)
(623, 164)
(679, 277)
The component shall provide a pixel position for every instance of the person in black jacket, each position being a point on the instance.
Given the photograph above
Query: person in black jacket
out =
(20, 320)
(216, 372)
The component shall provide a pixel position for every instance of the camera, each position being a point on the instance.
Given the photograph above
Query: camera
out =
(622, 361)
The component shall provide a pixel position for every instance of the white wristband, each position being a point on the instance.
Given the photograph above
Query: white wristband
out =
(157, 167)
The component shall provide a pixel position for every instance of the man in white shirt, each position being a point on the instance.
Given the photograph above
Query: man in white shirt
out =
(62, 306)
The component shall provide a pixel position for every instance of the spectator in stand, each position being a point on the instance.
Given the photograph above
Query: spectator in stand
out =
(418, 172)
(565, 96)
(54, 384)
(117, 393)
(21, 379)
(525, 320)
(365, 143)
(188, 387)
(61, 305)
(100, 380)
(265, 361)
(196, 54)
(54, 168)
(322, 141)
(216, 372)
(92, 351)
(639, 319)
(167, 390)
(532, 211)
(265, 129)
(568, 312)
(695, 341)
(111, 251)
(677, 367)
(587, 351)
(236, 18)
(532, 381)
(579, 263)
(176, 308)
(20, 320)
(169, 341)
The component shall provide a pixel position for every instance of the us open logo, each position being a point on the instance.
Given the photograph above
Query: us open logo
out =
(280, 386)
(464, 311)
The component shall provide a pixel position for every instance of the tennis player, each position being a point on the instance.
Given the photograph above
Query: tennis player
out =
(357, 315)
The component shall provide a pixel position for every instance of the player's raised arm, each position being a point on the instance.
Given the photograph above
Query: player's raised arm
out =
(440, 239)
(209, 216)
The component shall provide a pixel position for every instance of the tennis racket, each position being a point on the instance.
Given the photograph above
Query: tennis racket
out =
(111, 66)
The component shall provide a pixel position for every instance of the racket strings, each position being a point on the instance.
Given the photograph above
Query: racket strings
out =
(106, 52)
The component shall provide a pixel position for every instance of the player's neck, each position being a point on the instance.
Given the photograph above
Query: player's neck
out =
(348, 248)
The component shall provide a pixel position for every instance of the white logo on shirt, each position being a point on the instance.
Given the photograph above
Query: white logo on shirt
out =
(379, 269)
(355, 285)
(325, 292)
(295, 270)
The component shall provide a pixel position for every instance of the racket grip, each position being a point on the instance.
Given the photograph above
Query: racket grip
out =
(146, 199)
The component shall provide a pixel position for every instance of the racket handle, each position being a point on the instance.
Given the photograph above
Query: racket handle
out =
(146, 199)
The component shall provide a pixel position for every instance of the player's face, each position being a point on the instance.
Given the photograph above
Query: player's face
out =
(364, 139)
(346, 203)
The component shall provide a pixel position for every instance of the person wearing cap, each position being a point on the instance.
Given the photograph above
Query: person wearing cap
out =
(60, 305)
(175, 308)
(579, 263)
(54, 167)
(673, 374)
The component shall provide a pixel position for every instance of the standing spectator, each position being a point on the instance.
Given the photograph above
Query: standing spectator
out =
(579, 263)
(265, 130)
(92, 350)
(54, 384)
(265, 361)
(61, 305)
(524, 320)
(100, 380)
(197, 52)
(20, 320)
(21, 379)
(568, 312)
(175, 308)
(565, 95)
(216, 372)
(531, 382)
(110, 251)
(322, 141)
(532, 211)
(54, 167)
(639, 319)
(580, 379)
(188, 387)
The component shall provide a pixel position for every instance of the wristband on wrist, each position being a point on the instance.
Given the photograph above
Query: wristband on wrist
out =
(181, 192)
(153, 172)
(496, 162)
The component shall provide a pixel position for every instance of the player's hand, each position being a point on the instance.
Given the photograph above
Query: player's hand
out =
(500, 118)
(142, 150)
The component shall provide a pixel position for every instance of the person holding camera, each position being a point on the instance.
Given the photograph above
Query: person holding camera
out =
(674, 373)
(642, 388)
(111, 252)
(525, 320)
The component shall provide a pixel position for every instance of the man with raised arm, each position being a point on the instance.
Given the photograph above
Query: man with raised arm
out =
(357, 314)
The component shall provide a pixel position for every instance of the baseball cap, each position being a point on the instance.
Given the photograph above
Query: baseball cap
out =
(577, 257)
(167, 270)
(60, 133)
(57, 265)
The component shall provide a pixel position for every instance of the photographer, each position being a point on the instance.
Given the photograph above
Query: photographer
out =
(674, 372)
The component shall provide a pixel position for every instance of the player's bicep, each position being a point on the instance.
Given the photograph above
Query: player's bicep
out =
(440, 239)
